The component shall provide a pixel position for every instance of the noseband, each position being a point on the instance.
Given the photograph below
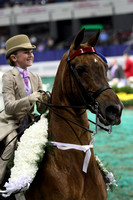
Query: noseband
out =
(89, 97)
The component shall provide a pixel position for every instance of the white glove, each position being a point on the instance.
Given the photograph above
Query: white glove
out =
(34, 97)
(44, 97)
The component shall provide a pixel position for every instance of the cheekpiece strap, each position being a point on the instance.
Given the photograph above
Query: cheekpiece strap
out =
(81, 51)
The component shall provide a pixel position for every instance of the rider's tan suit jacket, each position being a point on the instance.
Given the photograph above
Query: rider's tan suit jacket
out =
(15, 100)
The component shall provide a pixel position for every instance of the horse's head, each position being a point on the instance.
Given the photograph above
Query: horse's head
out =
(87, 74)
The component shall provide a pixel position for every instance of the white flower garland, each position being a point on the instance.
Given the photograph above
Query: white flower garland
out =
(108, 176)
(31, 149)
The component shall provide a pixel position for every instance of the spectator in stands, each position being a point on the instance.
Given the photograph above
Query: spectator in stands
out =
(116, 70)
(20, 92)
(40, 47)
(42, 43)
(116, 74)
(33, 39)
(50, 43)
(128, 69)
(2, 45)
(103, 37)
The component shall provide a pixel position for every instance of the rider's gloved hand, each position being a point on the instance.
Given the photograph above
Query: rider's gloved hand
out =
(35, 96)
(45, 96)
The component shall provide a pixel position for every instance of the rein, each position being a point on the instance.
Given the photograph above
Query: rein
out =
(74, 107)
(77, 107)
(87, 96)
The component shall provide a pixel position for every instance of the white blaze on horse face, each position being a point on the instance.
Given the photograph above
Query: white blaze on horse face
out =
(95, 60)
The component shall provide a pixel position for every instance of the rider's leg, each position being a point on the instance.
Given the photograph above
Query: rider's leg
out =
(7, 153)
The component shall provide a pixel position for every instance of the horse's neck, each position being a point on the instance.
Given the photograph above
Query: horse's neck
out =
(62, 127)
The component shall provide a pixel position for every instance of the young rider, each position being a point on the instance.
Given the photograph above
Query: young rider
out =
(20, 91)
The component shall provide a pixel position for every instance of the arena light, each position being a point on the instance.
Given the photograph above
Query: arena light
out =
(92, 26)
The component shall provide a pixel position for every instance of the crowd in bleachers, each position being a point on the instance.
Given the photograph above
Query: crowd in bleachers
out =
(45, 42)
(107, 36)
(41, 43)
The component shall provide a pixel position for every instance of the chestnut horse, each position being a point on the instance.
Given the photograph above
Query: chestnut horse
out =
(80, 84)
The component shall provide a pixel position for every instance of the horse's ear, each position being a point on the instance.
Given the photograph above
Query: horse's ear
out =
(78, 39)
(93, 40)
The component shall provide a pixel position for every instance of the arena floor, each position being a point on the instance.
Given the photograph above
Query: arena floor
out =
(116, 150)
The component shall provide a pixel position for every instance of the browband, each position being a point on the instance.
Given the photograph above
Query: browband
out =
(86, 50)
(81, 51)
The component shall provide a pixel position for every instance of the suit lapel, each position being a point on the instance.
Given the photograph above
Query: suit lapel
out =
(19, 82)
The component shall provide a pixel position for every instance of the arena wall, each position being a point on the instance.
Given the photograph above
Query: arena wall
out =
(49, 68)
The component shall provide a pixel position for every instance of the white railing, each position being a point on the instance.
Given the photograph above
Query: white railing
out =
(49, 68)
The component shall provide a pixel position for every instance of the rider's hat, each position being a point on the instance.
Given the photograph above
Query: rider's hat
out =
(16, 43)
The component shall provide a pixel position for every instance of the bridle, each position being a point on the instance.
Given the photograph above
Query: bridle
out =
(88, 97)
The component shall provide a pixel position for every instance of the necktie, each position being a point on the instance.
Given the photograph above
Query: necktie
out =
(26, 77)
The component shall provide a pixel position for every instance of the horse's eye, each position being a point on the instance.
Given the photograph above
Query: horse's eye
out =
(81, 70)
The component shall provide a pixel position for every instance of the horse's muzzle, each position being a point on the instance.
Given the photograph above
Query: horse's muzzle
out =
(112, 115)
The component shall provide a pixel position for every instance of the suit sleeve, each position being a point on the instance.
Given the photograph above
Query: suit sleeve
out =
(12, 106)
(41, 108)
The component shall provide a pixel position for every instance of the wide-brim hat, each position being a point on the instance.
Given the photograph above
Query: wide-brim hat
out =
(16, 43)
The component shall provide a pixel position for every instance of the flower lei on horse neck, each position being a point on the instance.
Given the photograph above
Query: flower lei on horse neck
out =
(30, 152)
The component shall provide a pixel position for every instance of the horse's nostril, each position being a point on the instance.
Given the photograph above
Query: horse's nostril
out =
(112, 112)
